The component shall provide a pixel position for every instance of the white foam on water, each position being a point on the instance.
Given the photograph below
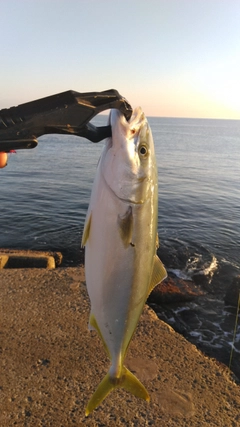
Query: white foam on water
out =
(196, 265)
(233, 264)
(210, 270)
(179, 273)
(180, 309)
(195, 334)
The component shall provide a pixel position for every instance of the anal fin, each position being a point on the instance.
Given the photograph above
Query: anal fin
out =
(93, 325)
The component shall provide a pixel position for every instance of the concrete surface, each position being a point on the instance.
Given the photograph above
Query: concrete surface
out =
(51, 363)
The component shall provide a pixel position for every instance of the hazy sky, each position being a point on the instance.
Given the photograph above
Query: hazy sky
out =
(178, 58)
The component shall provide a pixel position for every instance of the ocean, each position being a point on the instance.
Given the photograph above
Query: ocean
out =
(45, 194)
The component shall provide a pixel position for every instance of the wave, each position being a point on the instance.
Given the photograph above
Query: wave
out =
(188, 260)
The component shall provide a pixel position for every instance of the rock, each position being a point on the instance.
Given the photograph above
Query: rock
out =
(233, 292)
(173, 290)
(201, 279)
(29, 259)
(173, 257)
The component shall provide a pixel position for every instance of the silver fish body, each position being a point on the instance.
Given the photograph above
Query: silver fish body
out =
(120, 238)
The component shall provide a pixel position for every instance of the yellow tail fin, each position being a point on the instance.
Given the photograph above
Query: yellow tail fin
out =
(127, 380)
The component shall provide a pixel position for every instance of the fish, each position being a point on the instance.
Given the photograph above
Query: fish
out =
(121, 240)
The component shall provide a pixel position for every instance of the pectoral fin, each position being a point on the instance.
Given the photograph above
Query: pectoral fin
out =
(158, 274)
(86, 230)
(125, 224)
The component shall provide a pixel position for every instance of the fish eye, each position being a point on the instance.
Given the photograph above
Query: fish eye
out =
(143, 150)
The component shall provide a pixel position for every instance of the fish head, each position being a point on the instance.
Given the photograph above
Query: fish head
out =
(128, 161)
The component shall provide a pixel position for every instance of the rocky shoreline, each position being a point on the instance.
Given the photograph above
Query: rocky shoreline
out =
(204, 309)
(51, 363)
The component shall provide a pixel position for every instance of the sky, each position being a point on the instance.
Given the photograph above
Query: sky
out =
(174, 58)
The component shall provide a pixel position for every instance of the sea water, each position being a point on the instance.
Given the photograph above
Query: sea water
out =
(45, 193)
